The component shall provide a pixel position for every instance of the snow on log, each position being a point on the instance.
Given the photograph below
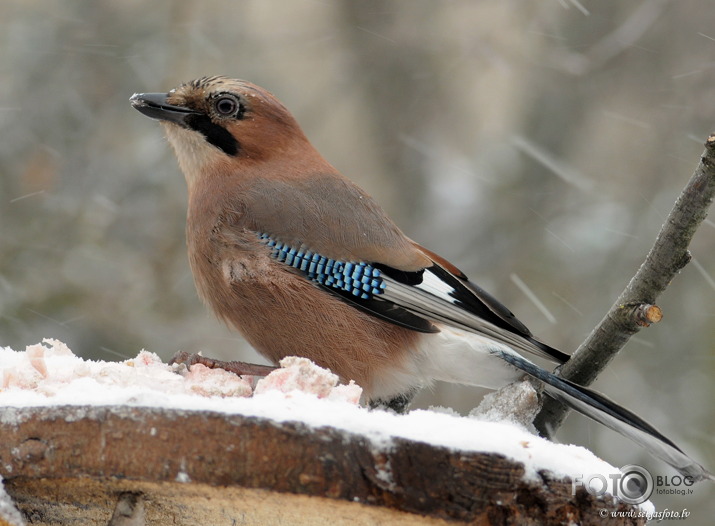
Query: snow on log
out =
(141, 442)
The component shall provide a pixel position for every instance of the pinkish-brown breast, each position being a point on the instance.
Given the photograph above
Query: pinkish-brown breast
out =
(278, 311)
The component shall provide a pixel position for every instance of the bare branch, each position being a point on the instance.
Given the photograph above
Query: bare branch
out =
(635, 307)
(239, 368)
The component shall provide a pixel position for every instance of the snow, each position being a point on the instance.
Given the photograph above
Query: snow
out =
(517, 403)
(49, 374)
(8, 512)
(300, 374)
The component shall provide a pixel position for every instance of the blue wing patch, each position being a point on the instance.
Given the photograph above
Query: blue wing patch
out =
(359, 279)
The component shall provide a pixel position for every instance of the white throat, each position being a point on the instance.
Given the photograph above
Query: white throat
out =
(192, 151)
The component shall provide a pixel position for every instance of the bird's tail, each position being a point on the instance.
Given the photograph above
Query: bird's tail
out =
(608, 413)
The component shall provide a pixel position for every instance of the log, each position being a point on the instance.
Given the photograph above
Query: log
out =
(129, 466)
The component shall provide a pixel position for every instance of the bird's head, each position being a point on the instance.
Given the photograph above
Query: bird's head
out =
(217, 123)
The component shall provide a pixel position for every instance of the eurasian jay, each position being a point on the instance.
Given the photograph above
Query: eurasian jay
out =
(303, 262)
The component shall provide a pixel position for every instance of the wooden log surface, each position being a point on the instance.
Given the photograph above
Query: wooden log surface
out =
(73, 464)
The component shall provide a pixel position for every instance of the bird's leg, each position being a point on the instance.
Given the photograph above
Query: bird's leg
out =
(399, 404)
(239, 368)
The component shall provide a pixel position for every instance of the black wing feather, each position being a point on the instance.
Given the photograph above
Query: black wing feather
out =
(610, 414)
(385, 310)
(471, 298)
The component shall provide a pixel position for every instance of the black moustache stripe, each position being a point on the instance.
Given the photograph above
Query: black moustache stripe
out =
(216, 135)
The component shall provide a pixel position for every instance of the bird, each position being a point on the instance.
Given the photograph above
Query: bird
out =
(303, 262)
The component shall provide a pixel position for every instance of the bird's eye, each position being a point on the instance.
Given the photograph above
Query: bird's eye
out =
(226, 105)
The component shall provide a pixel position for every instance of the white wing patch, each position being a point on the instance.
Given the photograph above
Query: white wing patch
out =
(432, 299)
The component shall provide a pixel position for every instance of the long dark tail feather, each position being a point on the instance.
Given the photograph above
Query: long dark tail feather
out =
(610, 414)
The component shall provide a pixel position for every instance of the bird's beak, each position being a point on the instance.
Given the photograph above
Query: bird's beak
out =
(154, 105)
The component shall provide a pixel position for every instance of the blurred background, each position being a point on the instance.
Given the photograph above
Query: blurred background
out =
(537, 145)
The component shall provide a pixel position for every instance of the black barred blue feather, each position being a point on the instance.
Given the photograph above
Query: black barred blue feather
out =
(359, 279)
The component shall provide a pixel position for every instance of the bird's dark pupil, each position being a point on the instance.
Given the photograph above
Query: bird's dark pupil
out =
(226, 106)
